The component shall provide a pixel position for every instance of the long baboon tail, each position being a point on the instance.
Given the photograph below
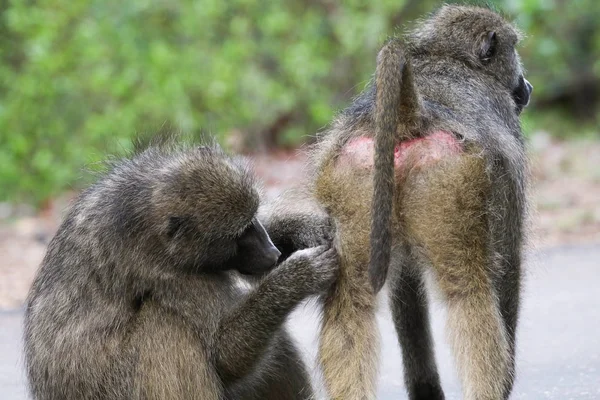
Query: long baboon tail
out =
(397, 110)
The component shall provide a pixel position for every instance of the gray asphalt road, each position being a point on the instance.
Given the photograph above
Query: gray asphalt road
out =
(559, 335)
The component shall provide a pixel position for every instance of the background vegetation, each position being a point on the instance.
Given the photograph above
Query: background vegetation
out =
(78, 78)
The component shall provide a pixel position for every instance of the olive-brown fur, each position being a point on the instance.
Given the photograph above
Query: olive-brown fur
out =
(136, 297)
(460, 216)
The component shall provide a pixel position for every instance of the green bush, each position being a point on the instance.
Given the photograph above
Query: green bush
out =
(562, 53)
(81, 78)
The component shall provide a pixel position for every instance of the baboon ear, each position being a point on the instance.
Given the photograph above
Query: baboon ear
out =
(487, 48)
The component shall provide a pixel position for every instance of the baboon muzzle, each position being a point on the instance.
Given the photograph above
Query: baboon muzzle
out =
(522, 93)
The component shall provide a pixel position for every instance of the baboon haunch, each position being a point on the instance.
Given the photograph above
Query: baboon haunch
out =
(432, 156)
(136, 296)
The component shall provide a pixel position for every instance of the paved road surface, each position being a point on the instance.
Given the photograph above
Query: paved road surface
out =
(558, 342)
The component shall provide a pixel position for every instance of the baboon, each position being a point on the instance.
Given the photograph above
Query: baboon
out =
(136, 296)
(426, 171)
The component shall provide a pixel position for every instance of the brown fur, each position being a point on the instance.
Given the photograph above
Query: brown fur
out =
(444, 215)
(136, 297)
(458, 206)
(349, 345)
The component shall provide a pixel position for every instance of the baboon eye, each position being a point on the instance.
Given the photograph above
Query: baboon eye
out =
(488, 49)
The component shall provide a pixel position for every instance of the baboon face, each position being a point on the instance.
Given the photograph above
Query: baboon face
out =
(487, 46)
(251, 251)
(522, 93)
(255, 254)
(498, 56)
(210, 223)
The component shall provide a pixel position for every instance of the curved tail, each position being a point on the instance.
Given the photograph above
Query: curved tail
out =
(397, 109)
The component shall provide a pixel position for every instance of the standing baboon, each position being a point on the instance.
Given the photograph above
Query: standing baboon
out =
(136, 296)
(440, 128)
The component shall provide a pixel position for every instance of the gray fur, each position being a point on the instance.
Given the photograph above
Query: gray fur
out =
(136, 296)
(464, 218)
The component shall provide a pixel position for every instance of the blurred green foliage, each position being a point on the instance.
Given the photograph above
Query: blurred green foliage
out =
(79, 78)
(561, 51)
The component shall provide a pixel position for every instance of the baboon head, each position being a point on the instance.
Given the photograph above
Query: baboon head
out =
(207, 209)
(481, 39)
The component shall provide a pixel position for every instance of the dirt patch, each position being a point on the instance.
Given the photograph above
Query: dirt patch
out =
(566, 194)
(566, 191)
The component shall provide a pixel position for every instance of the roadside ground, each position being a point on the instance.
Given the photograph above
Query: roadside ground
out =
(558, 342)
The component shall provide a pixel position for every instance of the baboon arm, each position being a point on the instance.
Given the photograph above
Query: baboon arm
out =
(247, 331)
(296, 221)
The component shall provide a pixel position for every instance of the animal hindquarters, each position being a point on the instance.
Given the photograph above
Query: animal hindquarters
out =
(445, 212)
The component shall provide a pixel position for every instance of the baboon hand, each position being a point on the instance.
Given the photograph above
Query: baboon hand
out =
(321, 264)
(322, 233)
(312, 231)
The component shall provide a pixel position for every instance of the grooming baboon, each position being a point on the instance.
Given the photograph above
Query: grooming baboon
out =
(136, 296)
(442, 120)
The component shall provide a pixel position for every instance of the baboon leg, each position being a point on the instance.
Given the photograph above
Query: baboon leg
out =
(509, 296)
(447, 212)
(508, 238)
(349, 342)
(410, 313)
(507, 285)
(479, 344)
(349, 339)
